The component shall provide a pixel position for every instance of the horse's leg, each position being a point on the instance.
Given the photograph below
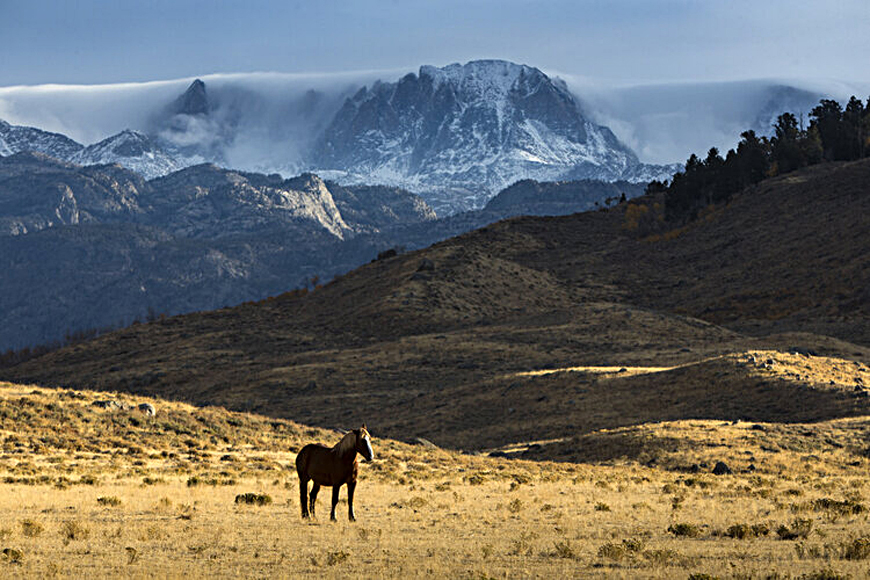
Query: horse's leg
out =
(303, 496)
(351, 485)
(315, 487)
(335, 489)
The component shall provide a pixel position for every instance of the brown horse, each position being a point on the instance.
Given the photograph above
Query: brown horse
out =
(332, 466)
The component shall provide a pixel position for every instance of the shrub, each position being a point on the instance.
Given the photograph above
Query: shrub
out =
(334, 558)
(109, 501)
(602, 507)
(475, 479)
(515, 506)
(73, 530)
(857, 549)
(254, 499)
(798, 529)
(30, 528)
(687, 530)
(563, 550)
(743, 531)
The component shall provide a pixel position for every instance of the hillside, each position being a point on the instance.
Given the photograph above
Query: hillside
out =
(431, 343)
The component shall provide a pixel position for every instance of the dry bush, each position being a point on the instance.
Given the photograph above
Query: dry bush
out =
(74, 530)
(30, 528)
(260, 499)
(686, 530)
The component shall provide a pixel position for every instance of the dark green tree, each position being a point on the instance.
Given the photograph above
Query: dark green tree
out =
(827, 118)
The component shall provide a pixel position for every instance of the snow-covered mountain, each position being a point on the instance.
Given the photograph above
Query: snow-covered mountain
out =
(456, 134)
(14, 139)
(132, 150)
(460, 133)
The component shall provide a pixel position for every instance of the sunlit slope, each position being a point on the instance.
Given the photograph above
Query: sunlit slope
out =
(424, 344)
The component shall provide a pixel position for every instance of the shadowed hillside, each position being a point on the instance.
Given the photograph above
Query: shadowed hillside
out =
(430, 343)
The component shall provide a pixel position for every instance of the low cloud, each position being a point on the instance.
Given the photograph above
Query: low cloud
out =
(265, 121)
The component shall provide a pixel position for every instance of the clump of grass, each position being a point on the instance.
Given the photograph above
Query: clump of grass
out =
(523, 546)
(826, 574)
(857, 549)
(799, 529)
(475, 479)
(5, 533)
(602, 507)
(109, 500)
(743, 531)
(416, 502)
(515, 506)
(254, 499)
(338, 557)
(837, 508)
(702, 576)
(685, 530)
(664, 557)
(74, 530)
(563, 550)
(30, 528)
(617, 552)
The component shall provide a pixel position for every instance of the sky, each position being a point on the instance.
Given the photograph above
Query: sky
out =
(615, 41)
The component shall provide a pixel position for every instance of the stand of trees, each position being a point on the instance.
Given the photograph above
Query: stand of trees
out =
(834, 134)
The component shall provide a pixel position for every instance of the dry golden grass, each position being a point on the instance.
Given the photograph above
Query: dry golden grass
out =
(91, 493)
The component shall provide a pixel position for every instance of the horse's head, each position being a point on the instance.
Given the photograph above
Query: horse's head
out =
(364, 443)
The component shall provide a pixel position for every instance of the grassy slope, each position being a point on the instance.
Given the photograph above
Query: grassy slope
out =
(435, 357)
(168, 486)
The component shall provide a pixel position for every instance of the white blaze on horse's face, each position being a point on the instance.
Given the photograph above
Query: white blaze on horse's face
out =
(367, 452)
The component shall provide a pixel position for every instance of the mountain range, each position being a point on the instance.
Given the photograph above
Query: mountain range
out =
(100, 246)
(456, 135)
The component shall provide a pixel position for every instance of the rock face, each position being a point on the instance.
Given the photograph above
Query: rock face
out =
(39, 192)
(90, 247)
(194, 101)
(460, 133)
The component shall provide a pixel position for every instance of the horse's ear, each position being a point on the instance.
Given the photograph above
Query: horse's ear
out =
(364, 426)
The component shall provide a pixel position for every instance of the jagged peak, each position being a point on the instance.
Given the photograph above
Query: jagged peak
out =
(501, 75)
(305, 181)
(194, 101)
(127, 136)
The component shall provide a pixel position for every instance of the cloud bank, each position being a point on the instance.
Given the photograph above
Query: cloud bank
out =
(265, 121)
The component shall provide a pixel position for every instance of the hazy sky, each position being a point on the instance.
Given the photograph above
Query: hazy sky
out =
(622, 41)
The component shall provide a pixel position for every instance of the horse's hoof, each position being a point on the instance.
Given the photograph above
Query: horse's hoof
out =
(351, 518)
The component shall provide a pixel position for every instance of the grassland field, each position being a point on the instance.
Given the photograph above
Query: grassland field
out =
(104, 494)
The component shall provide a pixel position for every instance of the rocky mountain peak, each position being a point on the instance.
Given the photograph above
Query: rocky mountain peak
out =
(460, 133)
(194, 101)
(131, 149)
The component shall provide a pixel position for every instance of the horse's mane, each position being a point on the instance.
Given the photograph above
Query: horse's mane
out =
(347, 443)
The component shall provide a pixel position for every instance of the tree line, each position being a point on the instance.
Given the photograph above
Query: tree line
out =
(835, 133)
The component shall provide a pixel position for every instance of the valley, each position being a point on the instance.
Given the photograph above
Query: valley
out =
(596, 394)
